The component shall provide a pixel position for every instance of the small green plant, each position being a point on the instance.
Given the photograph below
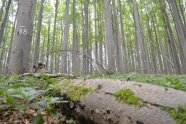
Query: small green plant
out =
(127, 96)
(179, 115)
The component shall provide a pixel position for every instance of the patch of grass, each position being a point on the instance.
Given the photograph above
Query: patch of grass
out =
(179, 115)
(127, 96)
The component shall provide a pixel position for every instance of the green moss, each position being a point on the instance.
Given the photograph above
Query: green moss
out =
(179, 115)
(74, 92)
(127, 96)
(78, 92)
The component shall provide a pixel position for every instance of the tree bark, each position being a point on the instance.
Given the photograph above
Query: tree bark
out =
(37, 41)
(54, 38)
(140, 39)
(109, 38)
(76, 53)
(12, 38)
(1, 11)
(102, 107)
(117, 39)
(181, 32)
(86, 45)
(4, 21)
(171, 38)
(125, 58)
(20, 54)
(66, 36)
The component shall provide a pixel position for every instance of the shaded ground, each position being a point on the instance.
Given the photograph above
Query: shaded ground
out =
(34, 99)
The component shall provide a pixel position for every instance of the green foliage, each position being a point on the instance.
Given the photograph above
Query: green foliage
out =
(74, 92)
(30, 92)
(77, 92)
(179, 115)
(127, 96)
(38, 119)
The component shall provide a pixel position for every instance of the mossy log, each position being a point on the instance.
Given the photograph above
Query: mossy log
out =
(152, 105)
(50, 75)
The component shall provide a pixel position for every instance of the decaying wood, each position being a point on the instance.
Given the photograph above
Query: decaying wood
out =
(102, 108)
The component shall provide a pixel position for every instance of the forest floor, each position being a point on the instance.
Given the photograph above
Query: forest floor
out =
(36, 99)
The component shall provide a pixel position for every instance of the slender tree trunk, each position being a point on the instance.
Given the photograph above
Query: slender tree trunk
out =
(181, 32)
(75, 53)
(85, 39)
(111, 67)
(20, 54)
(125, 60)
(1, 10)
(12, 37)
(54, 38)
(157, 41)
(140, 39)
(37, 41)
(48, 45)
(182, 11)
(4, 21)
(153, 51)
(100, 36)
(171, 39)
(96, 40)
(119, 57)
(66, 38)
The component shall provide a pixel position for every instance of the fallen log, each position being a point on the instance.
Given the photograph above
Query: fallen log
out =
(153, 104)
(50, 75)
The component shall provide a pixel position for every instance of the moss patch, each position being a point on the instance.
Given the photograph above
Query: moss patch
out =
(179, 115)
(78, 92)
(75, 92)
(127, 96)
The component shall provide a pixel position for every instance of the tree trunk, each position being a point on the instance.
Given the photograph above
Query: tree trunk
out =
(117, 39)
(75, 53)
(54, 38)
(1, 11)
(125, 58)
(66, 36)
(109, 38)
(140, 39)
(37, 41)
(171, 39)
(48, 45)
(85, 39)
(181, 32)
(4, 21)
(102, 107)
(20, 54)
(12, 37)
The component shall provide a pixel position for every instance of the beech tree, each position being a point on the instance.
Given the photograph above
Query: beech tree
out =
(37, 41)
(92, 36)
(20, 53)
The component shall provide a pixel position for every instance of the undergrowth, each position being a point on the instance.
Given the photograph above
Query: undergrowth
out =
(31, 99)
